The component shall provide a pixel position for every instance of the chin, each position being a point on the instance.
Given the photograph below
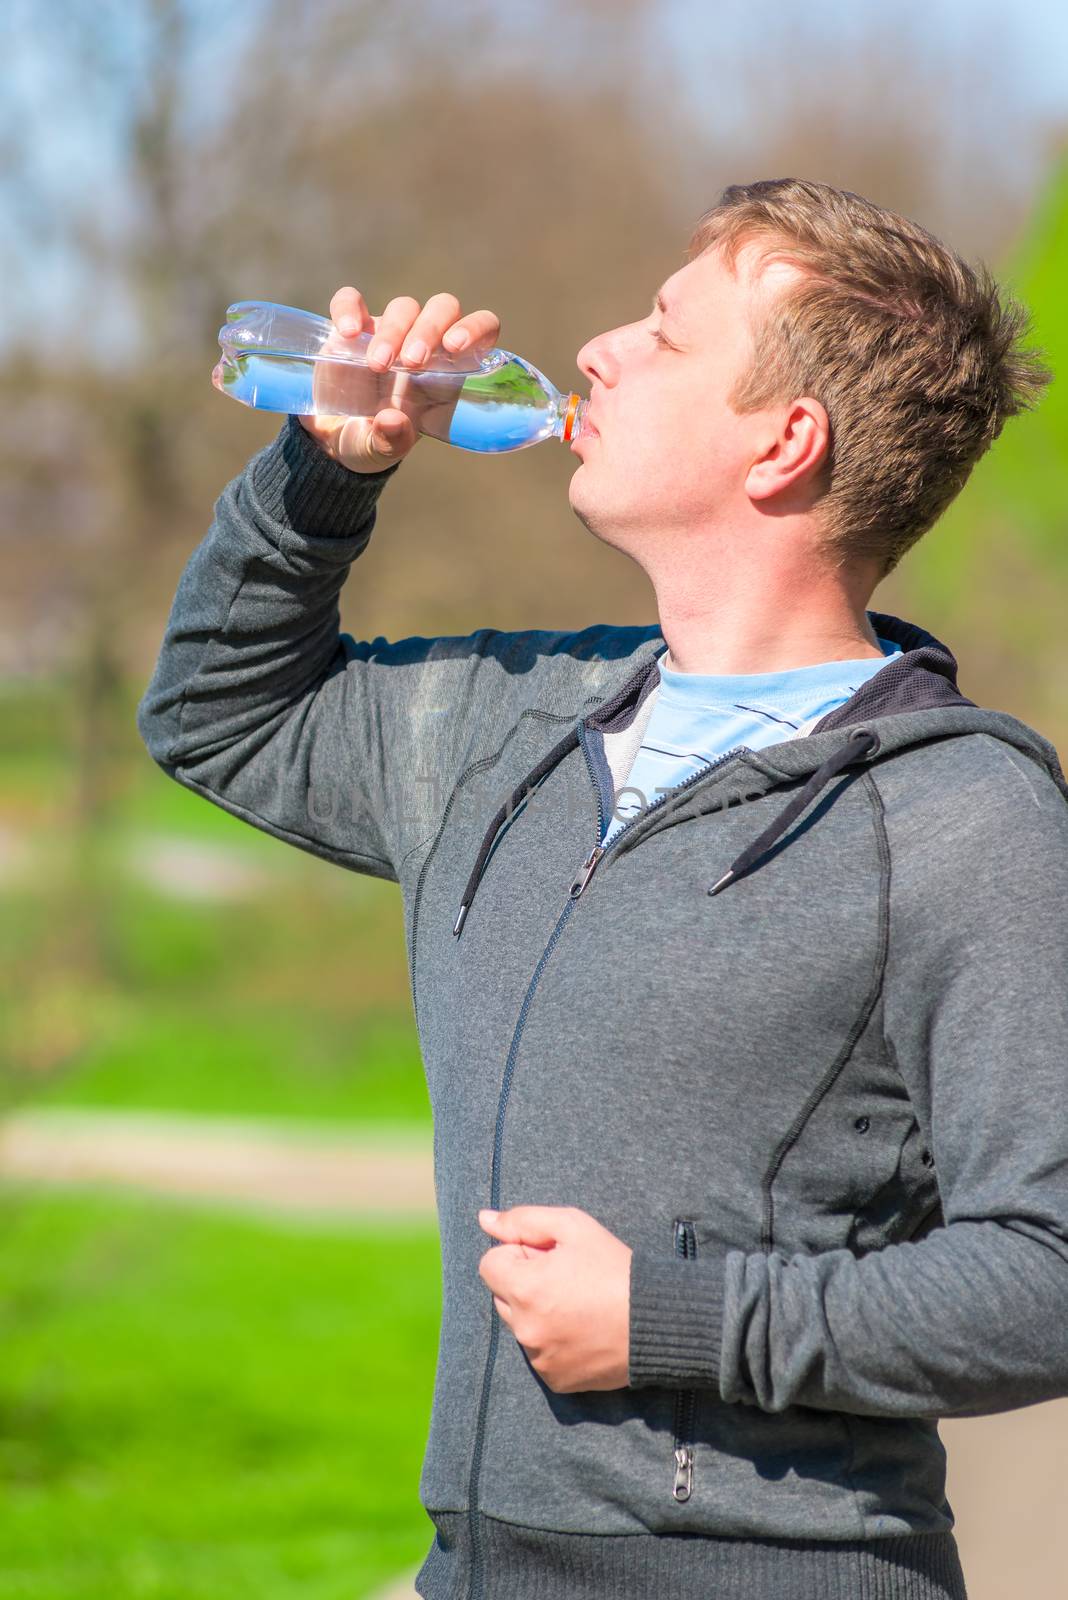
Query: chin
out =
(596, 521)
(575, 495)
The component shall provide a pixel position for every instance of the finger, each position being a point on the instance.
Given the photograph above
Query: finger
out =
(504, 1310)
(535, 1225)
(478, 327)
(391, 331)
(501, 1270)
(439, 313)
(489, 1270)
(349, 313)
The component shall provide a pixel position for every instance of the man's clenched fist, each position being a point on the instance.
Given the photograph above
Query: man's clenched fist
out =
(561, 1282)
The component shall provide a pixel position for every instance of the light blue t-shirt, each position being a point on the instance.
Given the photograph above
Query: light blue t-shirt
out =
(698, 717)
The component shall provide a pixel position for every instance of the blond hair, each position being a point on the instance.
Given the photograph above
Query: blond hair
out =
(914, 354)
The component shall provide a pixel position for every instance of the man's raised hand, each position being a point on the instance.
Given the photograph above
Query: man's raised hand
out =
(407, 331)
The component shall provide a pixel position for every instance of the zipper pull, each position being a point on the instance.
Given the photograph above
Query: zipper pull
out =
(586, 871)
(683, 1486)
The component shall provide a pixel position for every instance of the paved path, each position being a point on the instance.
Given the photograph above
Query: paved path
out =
(271, 1166)
(1007, 1473)
(404, 1589)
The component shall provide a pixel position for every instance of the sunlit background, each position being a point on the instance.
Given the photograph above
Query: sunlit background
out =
(219, 1280)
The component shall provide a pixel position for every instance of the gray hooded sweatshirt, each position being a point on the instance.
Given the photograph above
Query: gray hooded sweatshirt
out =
(797, 1037)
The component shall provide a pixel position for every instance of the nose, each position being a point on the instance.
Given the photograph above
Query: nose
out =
(595, 360)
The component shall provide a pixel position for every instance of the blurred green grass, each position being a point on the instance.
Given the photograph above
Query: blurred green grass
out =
(290, 999)
(195, 1406)
(191, 1404)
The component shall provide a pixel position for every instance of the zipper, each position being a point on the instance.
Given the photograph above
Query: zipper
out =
(685, 1238)
(585, 872)
(477, 1555)
(686, 1402)
(592, 861)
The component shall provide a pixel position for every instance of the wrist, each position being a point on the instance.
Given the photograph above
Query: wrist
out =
(676, 1320)
(298, 486)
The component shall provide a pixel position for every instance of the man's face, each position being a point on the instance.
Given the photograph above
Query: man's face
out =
(669, 454)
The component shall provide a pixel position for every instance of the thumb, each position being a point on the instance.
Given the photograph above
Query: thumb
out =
(533, 1225)
(392, 433)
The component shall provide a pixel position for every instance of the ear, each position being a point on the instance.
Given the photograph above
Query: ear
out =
(792, 455)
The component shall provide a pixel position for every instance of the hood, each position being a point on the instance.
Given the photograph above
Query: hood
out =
(912, 700)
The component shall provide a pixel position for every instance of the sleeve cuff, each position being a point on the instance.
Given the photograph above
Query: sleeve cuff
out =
(676, 1320)
(300, 487)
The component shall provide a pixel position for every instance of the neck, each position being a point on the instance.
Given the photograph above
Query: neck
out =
(741, 619)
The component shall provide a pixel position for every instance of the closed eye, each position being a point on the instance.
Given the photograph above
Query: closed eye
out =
(654, 333)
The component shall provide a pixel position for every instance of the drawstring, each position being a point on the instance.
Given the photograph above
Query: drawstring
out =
(548, 761)
(861, 742)
(604, 713)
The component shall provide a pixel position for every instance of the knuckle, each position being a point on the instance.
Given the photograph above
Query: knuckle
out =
(444, 302)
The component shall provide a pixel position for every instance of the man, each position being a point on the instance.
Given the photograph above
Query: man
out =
(737, 941)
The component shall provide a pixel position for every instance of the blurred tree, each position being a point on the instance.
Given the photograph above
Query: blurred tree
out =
(547, 160)
(995, 568)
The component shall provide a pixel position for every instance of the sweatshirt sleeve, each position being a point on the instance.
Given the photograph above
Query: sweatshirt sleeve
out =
(261, 705)
(972, 1318)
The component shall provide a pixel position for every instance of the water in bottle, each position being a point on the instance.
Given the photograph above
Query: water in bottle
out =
(278, 358)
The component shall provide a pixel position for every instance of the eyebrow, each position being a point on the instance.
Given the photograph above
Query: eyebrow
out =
(660, 304)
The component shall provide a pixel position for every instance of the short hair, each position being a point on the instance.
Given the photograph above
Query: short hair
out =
(914, 354)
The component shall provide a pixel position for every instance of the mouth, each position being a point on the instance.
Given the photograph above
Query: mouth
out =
(588, 431)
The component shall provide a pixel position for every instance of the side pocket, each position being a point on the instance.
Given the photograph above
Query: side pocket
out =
(685, 1244)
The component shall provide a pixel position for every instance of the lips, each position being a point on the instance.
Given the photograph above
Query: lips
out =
(587, 428)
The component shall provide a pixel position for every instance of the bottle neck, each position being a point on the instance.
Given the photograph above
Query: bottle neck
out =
(572, 417)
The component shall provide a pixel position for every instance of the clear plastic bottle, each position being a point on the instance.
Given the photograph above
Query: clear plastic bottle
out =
(277, 358)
